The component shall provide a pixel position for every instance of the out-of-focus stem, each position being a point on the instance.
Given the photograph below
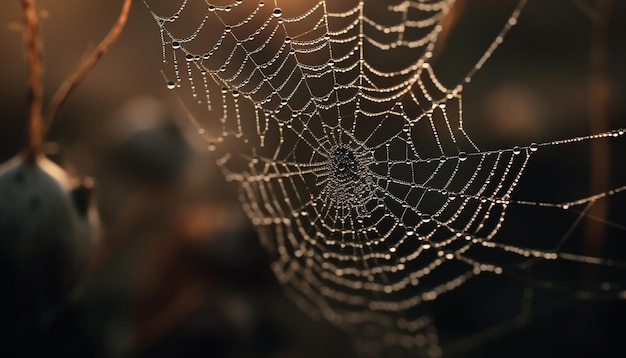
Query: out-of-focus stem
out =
(447, 24)
(86, 65)
(35, 74)
(600, 93)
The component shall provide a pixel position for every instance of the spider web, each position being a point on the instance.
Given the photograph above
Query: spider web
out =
(351, 156)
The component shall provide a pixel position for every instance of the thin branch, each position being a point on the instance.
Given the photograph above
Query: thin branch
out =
(86, 65)
(587, 9)
(600, 97)
(448, 23)
(35, 85)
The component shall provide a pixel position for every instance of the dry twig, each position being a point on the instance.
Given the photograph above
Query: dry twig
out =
(35, 85)
(600, 97)
(85, 66)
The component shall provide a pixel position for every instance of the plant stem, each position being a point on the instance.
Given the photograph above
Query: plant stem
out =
(600, 95)
(35, 85)
(86, 65)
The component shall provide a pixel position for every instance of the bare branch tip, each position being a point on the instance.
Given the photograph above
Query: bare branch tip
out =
(86, 65)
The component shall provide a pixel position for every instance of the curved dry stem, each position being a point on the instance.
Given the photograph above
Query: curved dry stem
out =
(600, 97)
(35, 85)
(586, 9)
(448, 23)
(85, 66)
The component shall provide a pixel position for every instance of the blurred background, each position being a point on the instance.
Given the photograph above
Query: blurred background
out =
(176, 267)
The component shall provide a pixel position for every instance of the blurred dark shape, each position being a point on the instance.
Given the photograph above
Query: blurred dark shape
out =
(140, 147)
(44, 248)
(177, 272)
(153, 153)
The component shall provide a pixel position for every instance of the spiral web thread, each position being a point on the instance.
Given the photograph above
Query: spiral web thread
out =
(351, 156)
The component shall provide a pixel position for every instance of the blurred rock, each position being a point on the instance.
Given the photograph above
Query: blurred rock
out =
(44, 248)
